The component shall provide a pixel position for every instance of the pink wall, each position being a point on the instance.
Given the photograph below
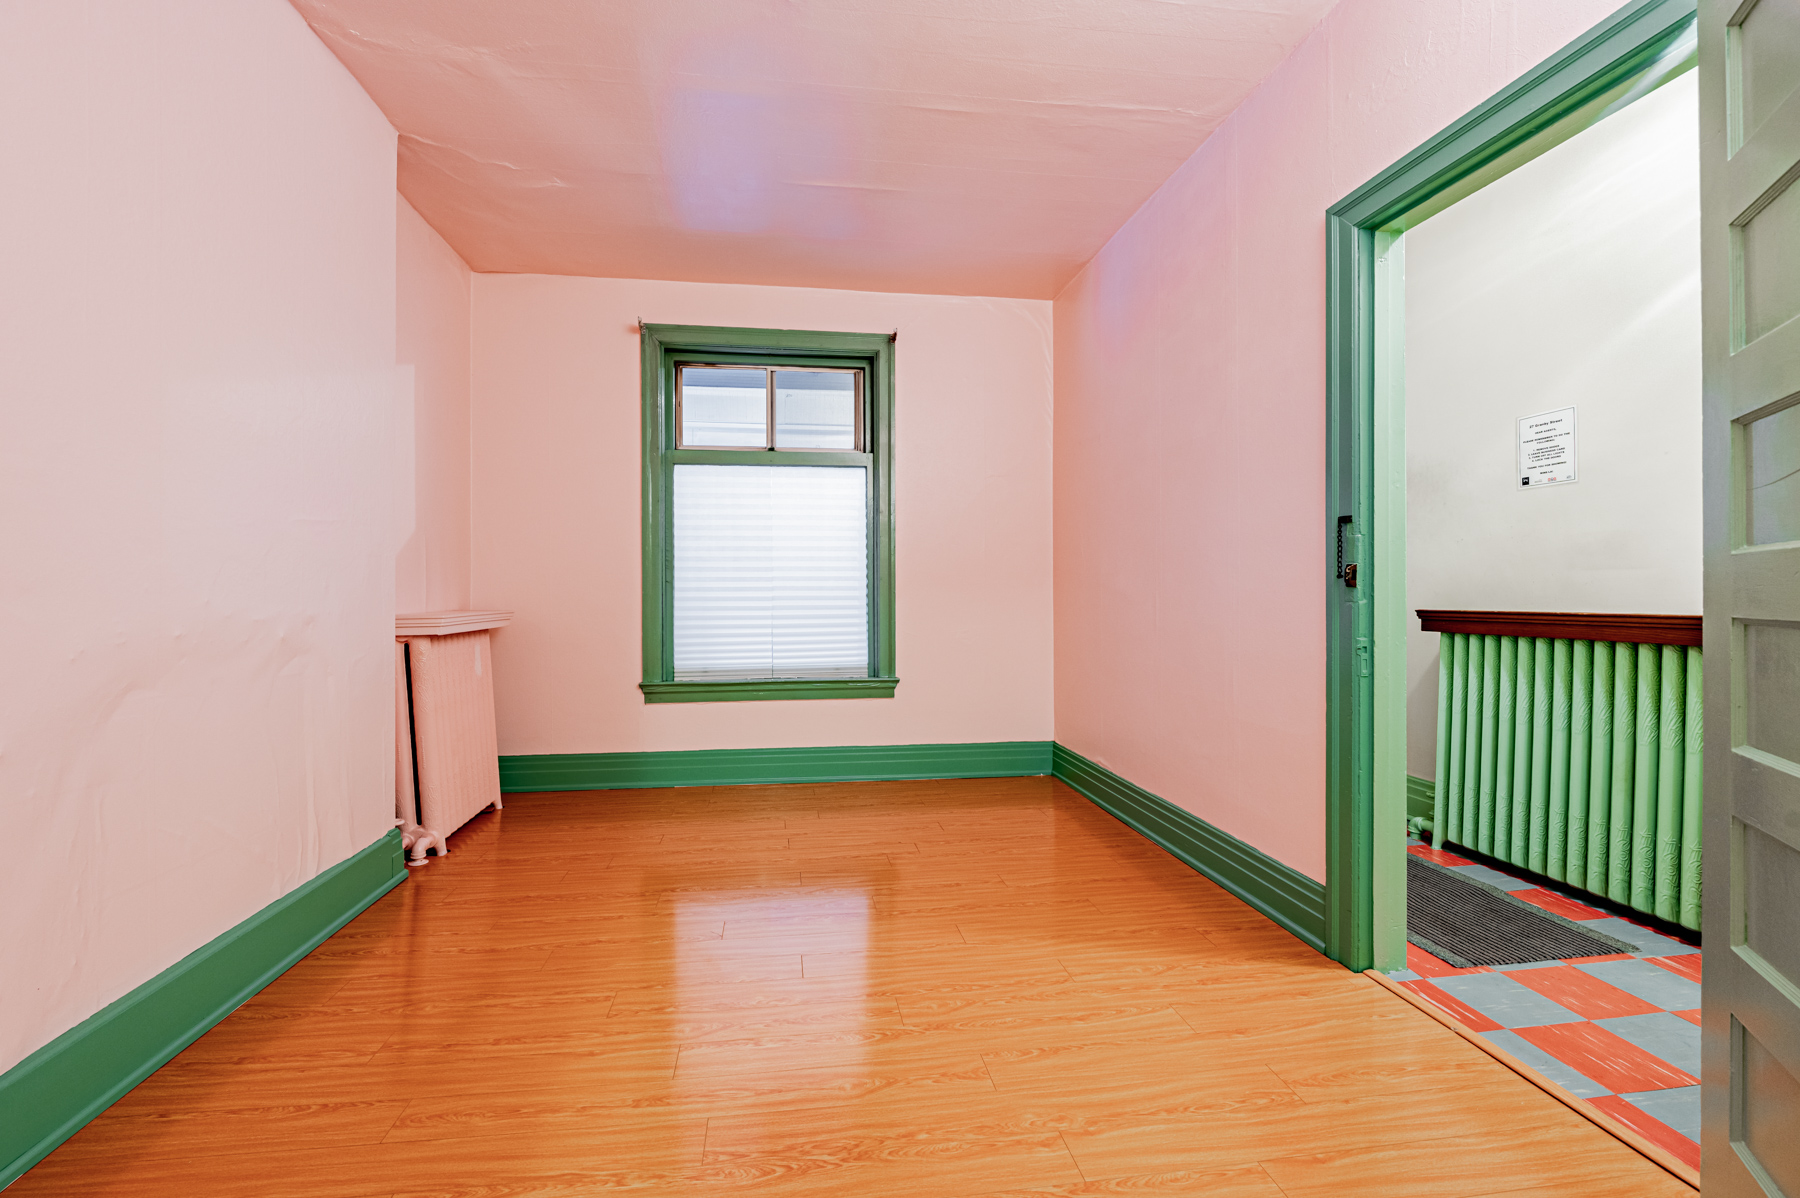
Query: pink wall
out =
(432, 336)
(1190, 419)
(195, 399)
(557, 466)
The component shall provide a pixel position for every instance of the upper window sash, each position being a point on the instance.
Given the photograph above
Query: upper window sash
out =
(742, 406)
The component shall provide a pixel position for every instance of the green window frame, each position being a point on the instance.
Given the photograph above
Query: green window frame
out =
(665, 345)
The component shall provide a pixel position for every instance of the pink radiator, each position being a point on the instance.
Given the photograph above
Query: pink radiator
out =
(446, 761)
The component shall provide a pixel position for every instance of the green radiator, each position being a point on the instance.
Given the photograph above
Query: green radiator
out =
(1577, 759)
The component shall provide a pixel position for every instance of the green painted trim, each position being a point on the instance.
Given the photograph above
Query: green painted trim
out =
(1388, 616)
(796, 345)
(54, 1092)
(772, 688)
(1561, 96)
(1284, 894)
(1600, 66)
(744, 767)
(662, 344)
(1421, 797)
(1281, 892)
(767, 457)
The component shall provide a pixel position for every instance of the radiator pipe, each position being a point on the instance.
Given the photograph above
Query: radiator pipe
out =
(1556, 835)
(1666, 881)
(1643, 791)
(1445, 661)
(1581, 711)
(1524, 662)
(1459, 682)
(1600, 767)
(1490, 712)
(1505, 779)
(1618, 833)
(1540, 753)
(1690, 794)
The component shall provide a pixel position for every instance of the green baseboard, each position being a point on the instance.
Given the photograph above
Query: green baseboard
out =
(1420, 794)
(1283, 893)
(747, 767)
(54, 1092)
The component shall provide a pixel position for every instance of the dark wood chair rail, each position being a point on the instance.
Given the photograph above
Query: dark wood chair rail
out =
(1575, 626)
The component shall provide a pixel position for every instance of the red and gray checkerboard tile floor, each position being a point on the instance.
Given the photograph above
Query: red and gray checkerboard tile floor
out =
(1620, 1031)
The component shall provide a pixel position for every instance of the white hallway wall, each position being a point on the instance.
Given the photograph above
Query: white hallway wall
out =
(1575, 280)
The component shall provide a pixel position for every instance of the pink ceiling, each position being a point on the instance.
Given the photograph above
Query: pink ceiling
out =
(974, 147)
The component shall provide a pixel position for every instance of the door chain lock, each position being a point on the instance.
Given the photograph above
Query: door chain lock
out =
(1347, 573)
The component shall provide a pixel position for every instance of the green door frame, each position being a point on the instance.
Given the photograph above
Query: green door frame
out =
(1632, 51)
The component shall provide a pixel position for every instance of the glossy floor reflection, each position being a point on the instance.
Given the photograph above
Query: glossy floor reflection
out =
(888, 989)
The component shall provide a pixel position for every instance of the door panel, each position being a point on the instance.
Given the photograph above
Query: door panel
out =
(1771, 897)
(1769, 279)
(1765, 1113)
(1771, 476)
(1750, 159)
(1768, 63)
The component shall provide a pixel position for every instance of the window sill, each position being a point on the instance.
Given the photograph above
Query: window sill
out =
(768, 688)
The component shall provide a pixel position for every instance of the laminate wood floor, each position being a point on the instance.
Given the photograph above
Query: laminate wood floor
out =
(934, 989)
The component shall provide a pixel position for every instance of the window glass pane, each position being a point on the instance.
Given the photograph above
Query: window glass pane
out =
(726, 409)
(1772, 494)
(815, 409)
(771, 572)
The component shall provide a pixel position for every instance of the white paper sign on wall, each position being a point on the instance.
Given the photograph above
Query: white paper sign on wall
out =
(1547, 448)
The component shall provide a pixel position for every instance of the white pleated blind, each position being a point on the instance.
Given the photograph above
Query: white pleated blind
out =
(771, 572)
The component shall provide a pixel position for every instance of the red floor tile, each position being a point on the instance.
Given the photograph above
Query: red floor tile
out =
(1652, 1129)
(1582, 993)
(1436, 856)
(1462, 1012)
(1687, 965)
(1615, 1063)
(1556, 904)
(1428, 966)
(1692, 1017)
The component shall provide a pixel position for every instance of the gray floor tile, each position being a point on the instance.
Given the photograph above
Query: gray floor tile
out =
(1505, 1001)
(1493, 877)
(1648, 942)
(1661, 1034)
(1402, 975)
(1652, 983)
(1580, 1085)
(1679, 1108)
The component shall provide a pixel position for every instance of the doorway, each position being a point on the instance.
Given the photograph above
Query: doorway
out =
(1646, 44)
(1553, 570)
(1375, 769)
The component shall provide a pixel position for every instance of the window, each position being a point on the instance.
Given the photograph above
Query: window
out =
(768, 520)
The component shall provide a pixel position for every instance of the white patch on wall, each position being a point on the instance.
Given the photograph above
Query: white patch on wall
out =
(1547, 448)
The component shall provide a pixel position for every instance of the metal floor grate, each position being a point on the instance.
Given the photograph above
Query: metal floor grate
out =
(1466, 923)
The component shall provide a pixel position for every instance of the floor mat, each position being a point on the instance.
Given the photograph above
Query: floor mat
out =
(1469, 923)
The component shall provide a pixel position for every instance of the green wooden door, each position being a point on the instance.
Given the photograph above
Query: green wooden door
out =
(1750, 157)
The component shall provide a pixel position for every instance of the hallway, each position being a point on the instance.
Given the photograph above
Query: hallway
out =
(954, 988)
